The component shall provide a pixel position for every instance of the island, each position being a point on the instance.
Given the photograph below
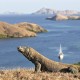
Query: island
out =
(23, 29)
(49, 11)
(63, 17)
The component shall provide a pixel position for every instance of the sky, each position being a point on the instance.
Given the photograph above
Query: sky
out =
(30, 6)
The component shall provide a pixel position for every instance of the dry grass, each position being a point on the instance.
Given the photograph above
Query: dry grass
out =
(29, 74)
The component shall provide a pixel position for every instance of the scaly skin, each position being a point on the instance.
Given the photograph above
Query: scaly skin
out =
(44, 64)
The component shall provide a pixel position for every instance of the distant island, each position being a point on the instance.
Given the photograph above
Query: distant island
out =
(59, 15)
(45, 11)
(63, 17)
(52, 11)
(23, 29)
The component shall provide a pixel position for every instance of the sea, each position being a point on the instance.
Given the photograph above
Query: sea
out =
(66, 33)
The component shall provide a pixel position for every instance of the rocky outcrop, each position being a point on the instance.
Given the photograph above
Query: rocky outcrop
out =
(63, 17)
(44, 64)
(58, 17)
(23, 29)
(73, 17)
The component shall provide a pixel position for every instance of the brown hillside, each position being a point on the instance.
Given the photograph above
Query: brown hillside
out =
(19, 30)
(30, 26)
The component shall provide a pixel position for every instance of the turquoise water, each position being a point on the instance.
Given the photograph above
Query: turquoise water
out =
(66, 33)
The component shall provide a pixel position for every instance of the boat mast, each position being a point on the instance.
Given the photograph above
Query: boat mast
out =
(60, 51)
(61, 55)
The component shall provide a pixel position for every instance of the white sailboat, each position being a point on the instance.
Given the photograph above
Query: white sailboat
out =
(61, 55)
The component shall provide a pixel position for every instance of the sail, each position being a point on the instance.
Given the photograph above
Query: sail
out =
(60, 51)
(61, 55)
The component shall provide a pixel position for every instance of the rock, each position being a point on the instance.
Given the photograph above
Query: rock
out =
(73, 17)
(19, 30)
(63, 17)
(58, 17)
(72, 69)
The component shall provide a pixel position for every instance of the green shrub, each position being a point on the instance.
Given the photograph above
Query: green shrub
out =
(3, 36)
(77, 63)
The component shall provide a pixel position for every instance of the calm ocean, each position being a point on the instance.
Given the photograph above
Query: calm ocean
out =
(66, 33)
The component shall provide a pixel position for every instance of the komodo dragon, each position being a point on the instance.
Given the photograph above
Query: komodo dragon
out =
(44, 64)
